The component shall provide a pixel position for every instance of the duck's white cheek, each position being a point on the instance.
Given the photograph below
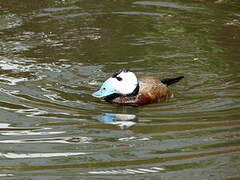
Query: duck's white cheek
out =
(120, 88)
(123, 88)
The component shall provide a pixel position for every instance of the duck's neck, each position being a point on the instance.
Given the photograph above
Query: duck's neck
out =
(135, 91)
(115, 95)
(111, 97)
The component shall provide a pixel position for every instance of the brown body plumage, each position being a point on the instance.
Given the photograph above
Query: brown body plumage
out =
(151, 90)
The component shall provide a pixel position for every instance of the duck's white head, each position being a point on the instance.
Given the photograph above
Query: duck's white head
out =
(122, 82)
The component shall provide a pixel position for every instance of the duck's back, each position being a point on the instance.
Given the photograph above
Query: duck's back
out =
(150, 90)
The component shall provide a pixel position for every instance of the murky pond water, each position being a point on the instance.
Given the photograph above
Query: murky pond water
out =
(54, 54)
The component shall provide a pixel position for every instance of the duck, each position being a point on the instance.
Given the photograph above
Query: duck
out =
(126, 89)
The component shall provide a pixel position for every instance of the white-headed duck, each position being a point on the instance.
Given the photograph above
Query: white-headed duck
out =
(124, 88)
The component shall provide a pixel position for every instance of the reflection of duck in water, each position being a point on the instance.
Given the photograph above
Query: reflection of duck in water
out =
(121, 120)
(124, 88)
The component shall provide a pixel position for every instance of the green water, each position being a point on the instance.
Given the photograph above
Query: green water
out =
(55, 54)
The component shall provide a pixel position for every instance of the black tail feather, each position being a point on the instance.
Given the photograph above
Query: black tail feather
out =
(170, 81)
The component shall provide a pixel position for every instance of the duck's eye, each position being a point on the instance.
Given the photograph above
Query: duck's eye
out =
(104, 88)
(118, 78)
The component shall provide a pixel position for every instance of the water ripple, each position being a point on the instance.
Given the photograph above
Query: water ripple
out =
(129, 171)
(40, 155)
(51, 140)
(163, 4)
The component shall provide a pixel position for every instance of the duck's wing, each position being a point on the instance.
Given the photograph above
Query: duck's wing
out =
(152, 89)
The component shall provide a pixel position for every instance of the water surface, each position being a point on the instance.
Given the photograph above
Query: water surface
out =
(54, 54)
